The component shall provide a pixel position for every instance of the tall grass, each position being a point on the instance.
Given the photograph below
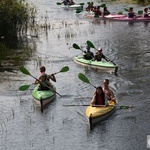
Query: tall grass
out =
(16, 15)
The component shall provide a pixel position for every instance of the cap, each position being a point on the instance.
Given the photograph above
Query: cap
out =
(99, 49)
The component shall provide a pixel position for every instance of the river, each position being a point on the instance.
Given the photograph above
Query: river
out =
(24, 127)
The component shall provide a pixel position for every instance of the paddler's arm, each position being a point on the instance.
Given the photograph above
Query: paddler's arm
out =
(93, 100)
(52, 77)
(104, 57)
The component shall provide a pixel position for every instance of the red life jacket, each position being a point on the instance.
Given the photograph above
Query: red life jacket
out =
(100, 100)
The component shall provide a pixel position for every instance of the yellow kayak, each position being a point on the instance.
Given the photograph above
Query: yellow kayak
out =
(98, 113)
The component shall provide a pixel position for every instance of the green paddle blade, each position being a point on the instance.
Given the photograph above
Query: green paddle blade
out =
(103, 5)
(24, 71)
(83, 78)
(64, 69)
(90, 44)
(24, 87)
(96, 16)
(78, 11)
(81, 4)
(58, 3)
(76, 46)
(120, 13)
(140, 12)
(126, 9)
(125, 107)
(88, 3)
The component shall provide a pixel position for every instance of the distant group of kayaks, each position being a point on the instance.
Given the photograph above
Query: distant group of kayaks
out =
(119, 17)
(95, 12)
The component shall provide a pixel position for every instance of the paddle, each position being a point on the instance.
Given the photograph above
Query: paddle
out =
(26, 72)
(90, 44)
(140, 12)
(77, 47)
(81, 4)
(64, 69)
(85, 79)
(24, 87)
(59, 3)
(78, 11)
(119, 106)
(103, 5)
(126, 9)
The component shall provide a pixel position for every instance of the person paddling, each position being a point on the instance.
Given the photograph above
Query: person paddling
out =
(66, 2)
(43, 79)
(131, 14)
(109, 95)
(99, 55)
(88, 55)
(145, 12)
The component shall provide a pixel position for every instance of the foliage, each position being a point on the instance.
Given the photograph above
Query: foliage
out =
(16, 15)
(144, 2)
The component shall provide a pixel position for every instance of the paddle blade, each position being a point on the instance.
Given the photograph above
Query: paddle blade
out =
(125, 107)
(58, 3)
(140, 12)
(126, 9)
(81, 4)
(83, 78)
(76, 46)
(24, 87)
(90, 44)
(64, 69)
(24, 71)
(78, 11)
(120, 13)
(103, 5)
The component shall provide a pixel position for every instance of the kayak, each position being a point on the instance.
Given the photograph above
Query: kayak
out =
(94, 64)
(73, 6)
(43, 97)
(137, 19)
(95, 114)
(91, 15)
(115, 16)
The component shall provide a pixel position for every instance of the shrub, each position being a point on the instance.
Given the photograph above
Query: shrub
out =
(16, 15)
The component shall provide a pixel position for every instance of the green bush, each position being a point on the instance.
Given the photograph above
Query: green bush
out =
(144, 2)
(16, 15)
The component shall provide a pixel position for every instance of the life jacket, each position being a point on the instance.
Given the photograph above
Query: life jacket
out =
(131, 14)
(44, 83)
(88, 56)
(99, 57)
(100, 100)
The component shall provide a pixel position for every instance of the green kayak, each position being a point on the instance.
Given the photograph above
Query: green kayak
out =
(43, 97)
(94, 64)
